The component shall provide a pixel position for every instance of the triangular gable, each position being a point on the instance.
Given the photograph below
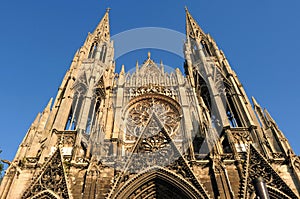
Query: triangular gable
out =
(149, 67)
(157, 149)
(51, 178)
(258, 166)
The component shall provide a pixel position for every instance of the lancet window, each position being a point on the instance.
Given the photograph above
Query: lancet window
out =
(231, 111)
(93, 50)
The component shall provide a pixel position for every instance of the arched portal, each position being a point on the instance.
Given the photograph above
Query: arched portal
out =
(158, 183)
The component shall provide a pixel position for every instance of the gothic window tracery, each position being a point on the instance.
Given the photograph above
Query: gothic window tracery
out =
(79, 101)
(203, 91)
(103, 53)
(205, 48)
(139, 114)
(93, 50)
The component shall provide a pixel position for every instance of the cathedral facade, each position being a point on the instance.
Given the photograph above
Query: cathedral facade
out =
(152, 133)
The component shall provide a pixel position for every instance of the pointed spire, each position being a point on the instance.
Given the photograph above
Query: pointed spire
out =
(137, 67)
(149, 55)
(122, 70)
(121, 79)
(137, 64)
(48, 107)
(269, 117)
(102, 31)
(162, 67)
(45, 116)
(35, 123)
(193, 30)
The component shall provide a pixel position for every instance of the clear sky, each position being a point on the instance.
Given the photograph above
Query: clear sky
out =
(39, 38)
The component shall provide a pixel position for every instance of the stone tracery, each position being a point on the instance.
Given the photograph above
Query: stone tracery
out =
(139, 114)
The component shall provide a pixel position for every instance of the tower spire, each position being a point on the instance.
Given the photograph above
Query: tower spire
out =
(102, 31)
(193, 30)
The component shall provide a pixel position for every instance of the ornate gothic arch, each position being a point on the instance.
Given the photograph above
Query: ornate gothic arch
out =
(157, 182)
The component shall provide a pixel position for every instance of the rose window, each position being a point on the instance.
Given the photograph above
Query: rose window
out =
(141, 115)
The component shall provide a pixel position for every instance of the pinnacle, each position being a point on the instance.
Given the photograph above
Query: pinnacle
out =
(122, 70)
(268, 116)
(49, 105)
(255, 102)
(36, 121)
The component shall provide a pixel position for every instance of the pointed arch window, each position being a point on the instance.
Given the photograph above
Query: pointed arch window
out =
(93, 50)
(103, 53)
(231, 110)
(205, 48)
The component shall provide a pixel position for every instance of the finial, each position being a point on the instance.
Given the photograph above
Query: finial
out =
(49, 105)
(185, 8)
(108, 9)
(149, 55)
(122, 70)
(255, 102)
(137, 64)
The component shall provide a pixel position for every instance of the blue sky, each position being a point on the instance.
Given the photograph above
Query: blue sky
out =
(39, 38)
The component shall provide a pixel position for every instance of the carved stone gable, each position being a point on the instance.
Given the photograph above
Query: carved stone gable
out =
(259, 167)
(156, 149)
(51, 182)
(150, 67)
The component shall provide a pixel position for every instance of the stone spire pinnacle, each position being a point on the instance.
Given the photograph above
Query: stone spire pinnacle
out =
(45, 116)
(260, 113)
(149, 55)
(102, 31)
(122, 70)
(269, 117)
(36, 121)
(137, 67)
(255, 102)
(193, 30)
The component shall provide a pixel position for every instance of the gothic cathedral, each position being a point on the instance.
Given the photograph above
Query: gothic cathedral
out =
(152, 133)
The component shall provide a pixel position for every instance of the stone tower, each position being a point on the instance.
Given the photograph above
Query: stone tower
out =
(152, 133)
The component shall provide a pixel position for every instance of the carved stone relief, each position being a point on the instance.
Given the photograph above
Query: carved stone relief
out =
(51, 178)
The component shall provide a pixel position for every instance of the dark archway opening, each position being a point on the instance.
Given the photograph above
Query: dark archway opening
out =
(158, 189)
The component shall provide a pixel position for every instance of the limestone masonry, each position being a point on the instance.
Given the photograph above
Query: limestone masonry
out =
(152, 133)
